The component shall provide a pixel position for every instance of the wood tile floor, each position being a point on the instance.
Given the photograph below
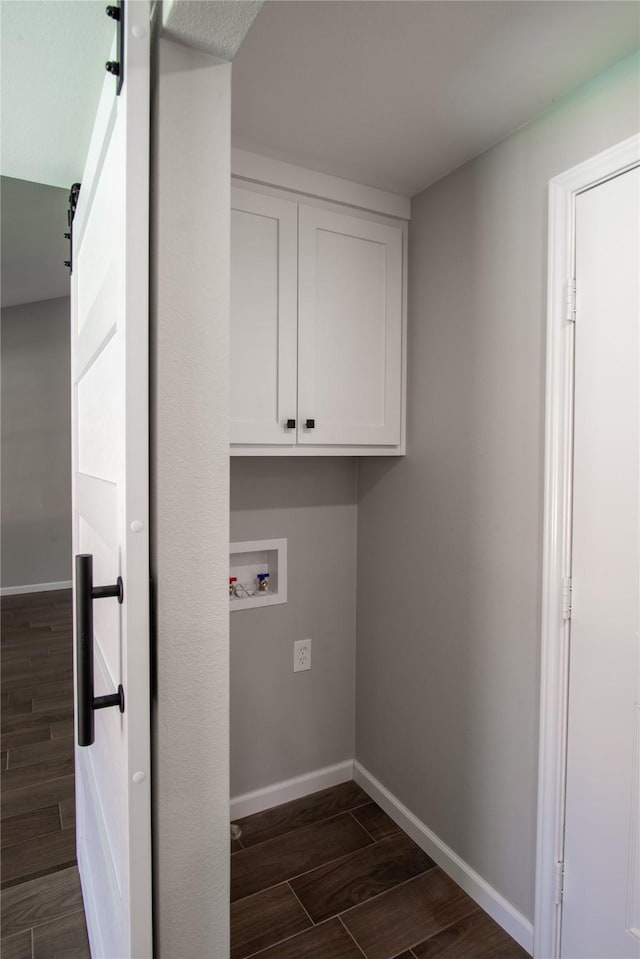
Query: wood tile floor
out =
(331, 876)
(325, 877)
(42, 912)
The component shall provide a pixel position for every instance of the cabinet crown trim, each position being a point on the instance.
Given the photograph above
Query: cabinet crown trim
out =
(277, 173)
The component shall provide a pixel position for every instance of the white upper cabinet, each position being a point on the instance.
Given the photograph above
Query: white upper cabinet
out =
(317, 326)
(264, 304)
(349, 330)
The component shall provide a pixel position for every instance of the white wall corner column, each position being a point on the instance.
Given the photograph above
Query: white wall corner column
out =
(217, 28)
(190, 499)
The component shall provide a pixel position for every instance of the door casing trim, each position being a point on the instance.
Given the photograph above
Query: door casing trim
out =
(556, 556)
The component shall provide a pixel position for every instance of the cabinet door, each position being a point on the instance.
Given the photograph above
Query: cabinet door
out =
(349, 329)
(264, 264)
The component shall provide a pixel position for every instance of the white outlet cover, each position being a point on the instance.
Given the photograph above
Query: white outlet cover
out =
(301, 655)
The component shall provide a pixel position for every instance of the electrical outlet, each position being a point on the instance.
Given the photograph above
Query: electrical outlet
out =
(301, 655)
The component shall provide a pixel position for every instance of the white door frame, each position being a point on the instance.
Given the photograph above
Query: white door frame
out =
(556, 557)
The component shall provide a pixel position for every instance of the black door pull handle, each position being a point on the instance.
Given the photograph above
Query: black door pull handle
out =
(87, 703)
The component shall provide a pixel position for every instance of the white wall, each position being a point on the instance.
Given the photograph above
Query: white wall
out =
(285, 724)
(448, 650)
(36, 444)
(190, 212)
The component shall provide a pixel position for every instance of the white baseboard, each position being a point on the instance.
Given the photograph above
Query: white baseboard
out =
(278, 793)
(506, 915)
(34, 588)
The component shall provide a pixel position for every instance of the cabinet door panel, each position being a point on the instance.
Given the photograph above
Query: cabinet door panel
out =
(263, 318)
(349, 329)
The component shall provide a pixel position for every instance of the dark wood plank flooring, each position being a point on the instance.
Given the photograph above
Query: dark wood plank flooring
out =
(42, 911)
(331, 876)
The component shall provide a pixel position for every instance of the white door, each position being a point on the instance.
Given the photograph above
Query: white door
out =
(264, 314)
(109, 305)
(601, 904)
(349, 330)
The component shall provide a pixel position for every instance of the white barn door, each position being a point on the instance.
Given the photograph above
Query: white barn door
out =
(601, 903)
(109, 305)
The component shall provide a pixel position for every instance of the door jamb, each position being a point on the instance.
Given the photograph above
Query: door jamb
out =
(556, 556)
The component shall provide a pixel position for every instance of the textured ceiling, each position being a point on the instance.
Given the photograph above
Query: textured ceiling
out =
(53, 56)
(34, 219)
(393, 94)
(397, 94)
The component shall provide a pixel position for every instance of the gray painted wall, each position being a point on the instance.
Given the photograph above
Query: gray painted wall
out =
(36, 444)
(33, 248)
(190, 501)
(449, 538)
(284, 724)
